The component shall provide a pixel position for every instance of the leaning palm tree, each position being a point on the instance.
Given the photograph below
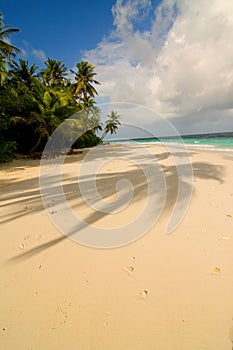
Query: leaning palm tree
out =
(84, 80)
(111, 124)
(6, 49)
(54, 73)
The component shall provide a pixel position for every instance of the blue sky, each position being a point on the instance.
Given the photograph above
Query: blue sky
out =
(174, 56)
(60, 29)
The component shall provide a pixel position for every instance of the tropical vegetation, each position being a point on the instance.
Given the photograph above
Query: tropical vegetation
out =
(35, 101)
(112, 123)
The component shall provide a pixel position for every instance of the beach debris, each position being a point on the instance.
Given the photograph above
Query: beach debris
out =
(27, 208)
(226, 238)
(216, 271)
(133, 258)
(229, 216)
(144, 293)
(105, 324)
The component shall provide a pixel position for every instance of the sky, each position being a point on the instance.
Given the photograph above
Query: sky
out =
(174, 57)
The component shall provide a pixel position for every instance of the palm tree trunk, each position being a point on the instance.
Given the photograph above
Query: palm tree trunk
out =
(103, 135)
(36, 145)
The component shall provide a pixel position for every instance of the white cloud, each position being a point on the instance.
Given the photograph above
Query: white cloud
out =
(29, 50)
(39, 54)
(181, 66)
(125, 13)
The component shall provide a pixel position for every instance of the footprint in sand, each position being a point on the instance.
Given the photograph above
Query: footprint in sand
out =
(23, 246)
(216, 271)
(144, 293)
(129, 269)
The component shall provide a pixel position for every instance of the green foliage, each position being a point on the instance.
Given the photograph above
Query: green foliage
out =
(112, 124)
(6, 49)
(33, 105)
(23, 73)
(89, 139)
(54, 74)
(7, 150)
(3, 71)
(84, 80)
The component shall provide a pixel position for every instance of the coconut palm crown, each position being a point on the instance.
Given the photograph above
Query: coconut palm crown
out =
(54, 73)
(84, 80)
(112, 124)
(6, 49)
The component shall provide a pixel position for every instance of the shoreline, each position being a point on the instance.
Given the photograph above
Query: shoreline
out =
(179, 145)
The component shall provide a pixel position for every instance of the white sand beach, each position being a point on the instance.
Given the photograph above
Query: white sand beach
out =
(160, 292)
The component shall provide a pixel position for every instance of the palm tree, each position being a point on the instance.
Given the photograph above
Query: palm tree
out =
(54, 73)
(43, 110)
(23, 73)
(93, 113)
(3, 71)
(53, 107)
(6, 49)
(111, 124)
(94, 118)
(83, 86)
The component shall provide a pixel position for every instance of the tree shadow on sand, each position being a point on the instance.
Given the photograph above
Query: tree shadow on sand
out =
(106, 184)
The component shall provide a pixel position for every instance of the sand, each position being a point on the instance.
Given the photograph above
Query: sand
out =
(160, 292)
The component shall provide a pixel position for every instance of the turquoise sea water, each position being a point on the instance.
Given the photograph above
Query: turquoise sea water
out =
(217, 142)
(223, 143)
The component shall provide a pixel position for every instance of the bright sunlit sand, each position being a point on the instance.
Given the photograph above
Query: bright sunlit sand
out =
(161, 292)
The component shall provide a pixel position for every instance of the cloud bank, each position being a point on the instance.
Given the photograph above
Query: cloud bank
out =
(176, 58)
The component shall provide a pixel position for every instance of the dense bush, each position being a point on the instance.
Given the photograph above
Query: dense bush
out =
(7, 150)
(89, 139)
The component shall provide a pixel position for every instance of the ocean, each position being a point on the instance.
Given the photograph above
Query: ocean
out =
(220, 141)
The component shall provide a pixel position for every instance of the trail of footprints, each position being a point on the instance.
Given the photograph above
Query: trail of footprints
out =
(130, 270)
